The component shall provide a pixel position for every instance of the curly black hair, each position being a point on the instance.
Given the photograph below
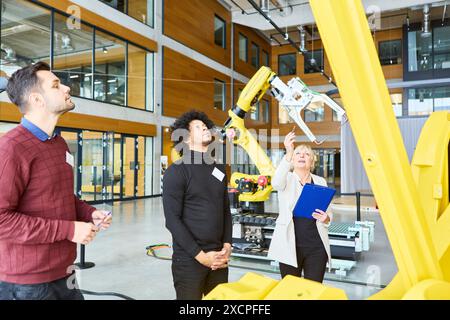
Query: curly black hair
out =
(185, 119)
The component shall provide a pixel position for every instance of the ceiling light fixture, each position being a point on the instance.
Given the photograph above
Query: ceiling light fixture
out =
(426, 22)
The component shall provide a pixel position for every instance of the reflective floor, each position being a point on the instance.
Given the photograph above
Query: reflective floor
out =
(122, 265)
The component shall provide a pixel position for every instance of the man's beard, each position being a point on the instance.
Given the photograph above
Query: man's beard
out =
(207, 142)
(67, 107)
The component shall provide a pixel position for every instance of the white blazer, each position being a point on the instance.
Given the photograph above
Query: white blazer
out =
(282, 245)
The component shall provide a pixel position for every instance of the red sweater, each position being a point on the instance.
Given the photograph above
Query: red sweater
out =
(37, 209)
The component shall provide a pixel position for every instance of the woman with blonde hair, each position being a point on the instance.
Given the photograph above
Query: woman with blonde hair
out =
(299, 244)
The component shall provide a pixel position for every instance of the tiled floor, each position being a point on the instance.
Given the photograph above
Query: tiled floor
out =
(122, 265)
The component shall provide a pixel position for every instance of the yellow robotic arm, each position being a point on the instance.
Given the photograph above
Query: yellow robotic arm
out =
(235, 129)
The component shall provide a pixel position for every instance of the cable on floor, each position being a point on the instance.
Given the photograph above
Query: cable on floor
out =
(92, 293)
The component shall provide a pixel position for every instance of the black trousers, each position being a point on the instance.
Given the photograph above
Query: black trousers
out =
(312, 261)
(192, 280)
(62, 289)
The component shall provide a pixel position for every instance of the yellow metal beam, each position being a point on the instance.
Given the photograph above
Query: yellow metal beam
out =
(346, 37)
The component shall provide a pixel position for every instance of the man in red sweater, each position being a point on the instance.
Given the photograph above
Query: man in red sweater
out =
(41, 220)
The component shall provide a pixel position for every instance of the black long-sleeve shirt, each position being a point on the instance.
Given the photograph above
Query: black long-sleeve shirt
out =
(196, 205)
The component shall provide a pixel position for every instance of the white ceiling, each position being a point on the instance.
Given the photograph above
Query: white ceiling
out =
(301, 11)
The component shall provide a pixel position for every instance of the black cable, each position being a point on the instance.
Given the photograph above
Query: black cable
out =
(92, 293)
(274, 9)
(253, 3)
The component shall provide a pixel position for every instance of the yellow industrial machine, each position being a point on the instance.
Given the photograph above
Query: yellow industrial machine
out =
(254, 189)
(294, 97)
(413, 199)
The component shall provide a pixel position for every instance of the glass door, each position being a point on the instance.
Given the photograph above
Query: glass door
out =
(92, 166)
(325, 165)
(140, 166)
(108, 167)
(129, 166)
(117, 168)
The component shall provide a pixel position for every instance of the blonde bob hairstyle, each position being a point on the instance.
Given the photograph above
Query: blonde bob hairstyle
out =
(311, 152)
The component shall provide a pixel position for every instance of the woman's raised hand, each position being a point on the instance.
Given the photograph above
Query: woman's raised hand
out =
(289, 144)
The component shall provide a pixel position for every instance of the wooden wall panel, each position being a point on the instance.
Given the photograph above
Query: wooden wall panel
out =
(192, 24)
(246, 68)
(188, 84)
(9, 112)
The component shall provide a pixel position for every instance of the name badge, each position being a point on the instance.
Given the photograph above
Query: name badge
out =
(219, 175)
(70, 159)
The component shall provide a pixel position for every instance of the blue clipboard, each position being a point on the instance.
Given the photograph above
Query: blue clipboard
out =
(313, 197)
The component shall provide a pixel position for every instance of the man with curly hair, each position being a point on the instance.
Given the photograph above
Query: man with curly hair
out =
(197, 210)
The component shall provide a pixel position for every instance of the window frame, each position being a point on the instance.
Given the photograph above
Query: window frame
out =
(428, 74)
(279, 64)
(387, 41)
(320, 67)
(224, 94)
(253, 45)
(239, 47)
(224, 33)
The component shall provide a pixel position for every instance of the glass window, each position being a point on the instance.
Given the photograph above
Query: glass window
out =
(117, 165)
(243, 44)
(441, 44)
(336, 117)
(313, 61)
(315, 112)
(116, 4)
(130, 163)
(287, 64)
(92, 166)
(25, 35)
(265, 59)
(255, 114)
(150, 81)
(141, 10)
(420, 101)
(219, 32)
(265, 111)
(141, 167)
(136, 77)
(219, 94)
(148, 162)
(390, 52)
(423, 101)
(109, 80)
(72, 60)
(419, 51)
(442, 98)
(255, 55)
(397, 104)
